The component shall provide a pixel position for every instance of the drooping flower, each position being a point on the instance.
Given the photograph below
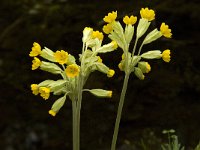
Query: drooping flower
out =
(147, 13)
(99, 59)
(36, 63)
(144, 66)
(115, 46)
(87, 34)
(130, 20)
(110, 73)
(166, 32)
(36, 50)
(44, 92)
(148, 67)
(120, 67)
(109, 93)
(166, 55)
(110, 17)
(61, 57)
(53, 113)
(72, 70)
(107, 28)
(35, 89)
(98, 35)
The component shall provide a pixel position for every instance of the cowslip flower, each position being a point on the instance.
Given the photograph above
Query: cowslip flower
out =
(130, 20)
(166, 32)
(107, 28)
(144, 67)
(36, 50)
(109, 93)
(110, 73)
(98, 35)
(61, 57)
(110, 17)
(53, 113)
(44, 92)
(115, 46)
(148, 67)
(147, 13)
(87, 34)
(35, 89)
(99, 59)
(166, 55)
(72, 70)
(36, 63)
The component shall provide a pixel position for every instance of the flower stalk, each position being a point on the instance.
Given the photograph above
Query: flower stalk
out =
(130, 61)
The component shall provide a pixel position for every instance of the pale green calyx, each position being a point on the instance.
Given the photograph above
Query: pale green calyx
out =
(142, 27)
(47, 54)
(50, 67)
(154, 54)
(129, 32)
(138, 73)
(100, 93)
(87, 32)
(152, 36)
(58, 104)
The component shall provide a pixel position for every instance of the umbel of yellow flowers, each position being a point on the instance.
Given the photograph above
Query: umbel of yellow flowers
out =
(64, 64)
(131, 62)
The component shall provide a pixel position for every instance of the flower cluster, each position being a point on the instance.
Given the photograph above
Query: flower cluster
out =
(132, 62)
(63, 63)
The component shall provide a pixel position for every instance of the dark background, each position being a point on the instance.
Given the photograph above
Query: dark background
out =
(168, 98)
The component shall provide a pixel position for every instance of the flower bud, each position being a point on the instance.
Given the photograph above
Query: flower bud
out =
(154, 54)
(138, 73)
(101, 93)
(142, 27)
(152, 36)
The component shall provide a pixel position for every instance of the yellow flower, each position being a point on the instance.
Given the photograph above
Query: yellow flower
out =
(130, 20)
(44, 92)
(36, 63)
(53, 113)
(164, 29)
(110, 73)
(35, 89)
(147, 13)
(97, 34)
(36, 50)
(115, 46)
(107, 28)
(109, 93)
(166, 55)
(72, 70)
(99, 59)
(110, 17)
(148, 67)
(61, 57)
(120, 66)
(123, 56)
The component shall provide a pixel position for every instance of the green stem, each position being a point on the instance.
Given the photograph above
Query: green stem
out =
(78, 110)
(119, 112)
(134, 48)
(74, 107)
(140, 49)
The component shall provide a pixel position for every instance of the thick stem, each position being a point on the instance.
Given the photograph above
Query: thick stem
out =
(74, 133)
(78, 109)
(119, 112)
